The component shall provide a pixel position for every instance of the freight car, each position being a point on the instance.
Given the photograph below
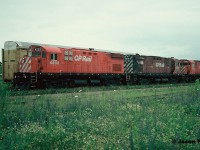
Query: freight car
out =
(54, 66)
(11, 54)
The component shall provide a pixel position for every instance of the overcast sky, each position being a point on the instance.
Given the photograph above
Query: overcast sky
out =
(152, 27)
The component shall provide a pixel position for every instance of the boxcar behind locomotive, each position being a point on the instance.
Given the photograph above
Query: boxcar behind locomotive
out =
(11, 55)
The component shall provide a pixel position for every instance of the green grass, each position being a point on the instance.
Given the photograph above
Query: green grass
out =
(0, 67)
(112, 118)
(91, 89)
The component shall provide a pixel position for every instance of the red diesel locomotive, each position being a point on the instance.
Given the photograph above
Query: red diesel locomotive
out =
(54, 66)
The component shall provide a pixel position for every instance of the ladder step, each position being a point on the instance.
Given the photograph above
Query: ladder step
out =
(128, 77)
(33, 78)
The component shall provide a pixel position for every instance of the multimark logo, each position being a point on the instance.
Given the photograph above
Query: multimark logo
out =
(160, 65)
(82, 58)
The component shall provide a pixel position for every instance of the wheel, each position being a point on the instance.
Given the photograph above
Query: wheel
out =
(144, 82)
(71, 83)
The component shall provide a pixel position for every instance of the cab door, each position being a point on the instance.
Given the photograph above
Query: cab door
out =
(43, 62)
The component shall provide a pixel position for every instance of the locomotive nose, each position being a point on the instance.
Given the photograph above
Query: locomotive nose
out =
(25, 64)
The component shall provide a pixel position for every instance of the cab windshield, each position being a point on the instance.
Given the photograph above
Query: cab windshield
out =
(36, 54)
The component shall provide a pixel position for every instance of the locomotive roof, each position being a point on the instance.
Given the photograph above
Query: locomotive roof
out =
(17, 44)
(52, 49)
(9, 45)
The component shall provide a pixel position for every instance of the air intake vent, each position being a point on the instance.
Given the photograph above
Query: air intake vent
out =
(117, 67)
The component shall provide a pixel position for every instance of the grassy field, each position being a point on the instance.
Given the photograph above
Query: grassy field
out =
(0, 67)
(101, 118)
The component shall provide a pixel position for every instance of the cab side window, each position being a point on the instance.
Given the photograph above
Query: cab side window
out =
(43, 54)
(54, 56)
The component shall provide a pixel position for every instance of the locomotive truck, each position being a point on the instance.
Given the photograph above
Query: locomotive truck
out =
(42, 65)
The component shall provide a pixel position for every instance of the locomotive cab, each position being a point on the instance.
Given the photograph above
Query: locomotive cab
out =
(188, 66)
(38, 58)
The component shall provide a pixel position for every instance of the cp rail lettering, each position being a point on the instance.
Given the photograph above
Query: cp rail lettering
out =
(83, 58)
